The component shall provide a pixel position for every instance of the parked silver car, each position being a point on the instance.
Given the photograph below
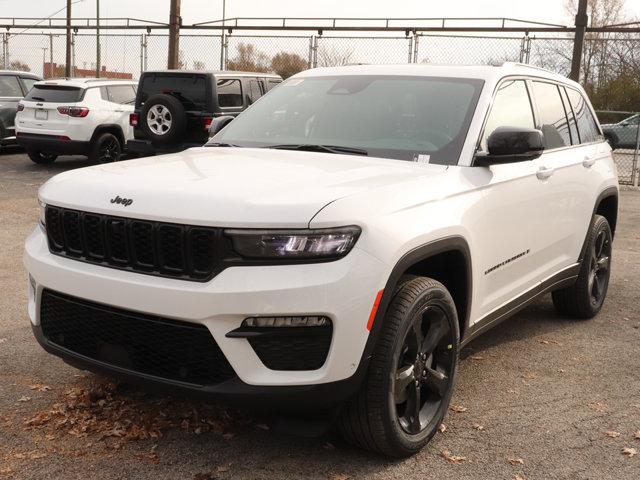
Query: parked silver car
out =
(623, 134)
(13, 87)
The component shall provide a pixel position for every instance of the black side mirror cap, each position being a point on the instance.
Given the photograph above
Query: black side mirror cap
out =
(512, 144)
(218, 124)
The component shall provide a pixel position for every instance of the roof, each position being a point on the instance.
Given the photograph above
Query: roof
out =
(21, 73)
(485, 72)
(85, 82)
(218, 73)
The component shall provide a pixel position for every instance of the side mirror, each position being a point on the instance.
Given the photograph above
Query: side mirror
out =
(512, 144)
(218, 124)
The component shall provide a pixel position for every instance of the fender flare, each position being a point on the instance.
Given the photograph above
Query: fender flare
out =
(607, 192)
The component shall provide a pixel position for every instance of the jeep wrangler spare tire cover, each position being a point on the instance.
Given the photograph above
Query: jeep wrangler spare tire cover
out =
(164, 119)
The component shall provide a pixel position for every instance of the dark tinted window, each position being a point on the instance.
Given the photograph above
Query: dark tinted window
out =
(229, 93)
(587, 126)
(123, 94)
(10, 86)
(553, 120)
(55, 94)
(28, 82)
(189, 89)
(573, 129)
(255, 92)
(421, 119)
(272, 83)
(511, 108)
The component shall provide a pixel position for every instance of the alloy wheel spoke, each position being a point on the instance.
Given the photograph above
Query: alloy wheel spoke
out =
(436, 381)
(404, 378)
(416, 404)
(603, 263)
(438, 328)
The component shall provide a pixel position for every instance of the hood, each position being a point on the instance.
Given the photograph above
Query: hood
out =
(227, 187)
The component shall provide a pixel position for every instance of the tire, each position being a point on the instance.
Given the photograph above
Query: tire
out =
(105, 148)
(584, 299)
(380, 418)
(163, 119)
(41, 158)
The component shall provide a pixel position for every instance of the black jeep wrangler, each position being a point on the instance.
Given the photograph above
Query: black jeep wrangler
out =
(175, 108)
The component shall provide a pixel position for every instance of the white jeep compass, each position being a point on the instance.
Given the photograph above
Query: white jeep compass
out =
(334, 246)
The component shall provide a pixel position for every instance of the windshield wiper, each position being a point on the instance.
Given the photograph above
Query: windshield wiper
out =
(39, 99)
(321, 148)
(221, 144)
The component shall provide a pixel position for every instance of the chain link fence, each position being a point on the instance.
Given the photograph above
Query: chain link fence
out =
(610, 69)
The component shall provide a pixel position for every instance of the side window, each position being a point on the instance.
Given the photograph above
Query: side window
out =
(553, 119)
(104, 94)
(587, 126)
(122, 94)
(28, 82)
(511, 108)
(9, 86)
(255, 91)
(573, 129)
(272, 83)
(229, 93)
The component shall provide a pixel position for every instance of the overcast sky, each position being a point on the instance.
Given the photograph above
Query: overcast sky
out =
(202, 10)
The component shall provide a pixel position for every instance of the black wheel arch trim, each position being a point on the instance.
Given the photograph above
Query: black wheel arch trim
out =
(113, 128)
(606, 193)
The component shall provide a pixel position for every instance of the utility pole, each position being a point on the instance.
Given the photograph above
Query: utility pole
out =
(44, 60)
(174, 35)
(582, 20)
(222, 37)
(67, 67)
(98, 38)
(51, 74)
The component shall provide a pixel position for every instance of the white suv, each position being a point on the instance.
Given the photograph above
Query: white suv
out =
(78, 116)
(335, 245)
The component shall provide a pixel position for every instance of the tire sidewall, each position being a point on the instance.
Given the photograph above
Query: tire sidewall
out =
(411, 443)
(41, 158)
(599, 223)
(102, 138)
(178, 119)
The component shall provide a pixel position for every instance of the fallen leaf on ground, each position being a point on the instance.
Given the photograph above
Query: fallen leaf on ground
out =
(24, 399)
(637, 435)
(629, 452)
(338, 476)
(518, 477)
(598, 407)
(458, 408)
(448, 456)
(612, 434)
(515, 461)
(476, 357)
(223, 468)
(477, 426)
(528, 375)
(2, 340)
(40, 387)
(442, 428)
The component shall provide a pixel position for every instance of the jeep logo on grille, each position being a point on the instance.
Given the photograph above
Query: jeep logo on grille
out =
(122, 201)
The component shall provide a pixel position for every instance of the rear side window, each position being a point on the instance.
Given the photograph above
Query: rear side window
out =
(55, 94)
(28, 82)
(189, 89)
(255, 92)
(553, 119)
(587, 126)
(9, 86)
(229, 92)
(123, 94)
(511, 108)
(272, 83)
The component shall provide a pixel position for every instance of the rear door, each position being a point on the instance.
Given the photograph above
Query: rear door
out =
(10, 94)
(41, 115)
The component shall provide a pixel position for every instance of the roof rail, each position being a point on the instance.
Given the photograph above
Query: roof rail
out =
(520, 64)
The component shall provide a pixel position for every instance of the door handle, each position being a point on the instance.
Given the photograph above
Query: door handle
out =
(588, 162)
(543, 173)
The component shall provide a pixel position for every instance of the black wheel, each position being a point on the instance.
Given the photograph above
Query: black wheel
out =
(410, 378)
(41, 158)
(163, 119)
(584, 299)
(105, 148)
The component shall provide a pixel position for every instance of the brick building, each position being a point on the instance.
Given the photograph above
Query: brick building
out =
(57, 71)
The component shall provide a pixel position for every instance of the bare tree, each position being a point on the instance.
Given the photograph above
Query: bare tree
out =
(249, 58)
(286, 64)
(19, 65)
(198, 65)
(333, 57)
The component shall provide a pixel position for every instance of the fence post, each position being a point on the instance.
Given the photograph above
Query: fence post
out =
(634, 167)
(410, 49)
(143, 45)
(310, 55)
(416, 44)
(51, 70)
(525, 48)
(73, 55)
(314, 51)
(5, 50)
(224, 53)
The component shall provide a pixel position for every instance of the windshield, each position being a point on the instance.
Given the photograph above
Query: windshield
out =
(411, 118)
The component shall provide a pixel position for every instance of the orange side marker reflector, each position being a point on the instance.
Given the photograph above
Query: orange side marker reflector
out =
(374, 310)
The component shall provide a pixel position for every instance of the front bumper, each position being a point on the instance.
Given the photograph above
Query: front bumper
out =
(344, 291)
(52, 144)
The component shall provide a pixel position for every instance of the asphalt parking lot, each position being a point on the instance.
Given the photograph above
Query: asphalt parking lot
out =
(539, 397)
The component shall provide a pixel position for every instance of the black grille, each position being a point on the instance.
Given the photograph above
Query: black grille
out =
(297, 348)
(140, 343)
(156, 248)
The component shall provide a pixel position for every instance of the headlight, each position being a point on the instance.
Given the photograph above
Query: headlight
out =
(325, 244)
(42, 214)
